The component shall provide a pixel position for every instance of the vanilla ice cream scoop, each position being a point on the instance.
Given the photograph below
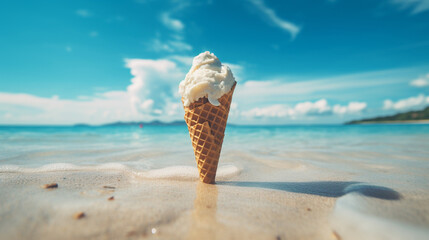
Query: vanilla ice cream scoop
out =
(208, 77)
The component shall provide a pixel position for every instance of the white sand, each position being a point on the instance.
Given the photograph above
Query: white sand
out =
(235, 208)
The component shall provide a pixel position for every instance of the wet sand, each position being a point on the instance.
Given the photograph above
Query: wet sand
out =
(177, 209)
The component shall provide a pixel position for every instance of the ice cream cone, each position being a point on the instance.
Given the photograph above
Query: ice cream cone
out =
(206, 125)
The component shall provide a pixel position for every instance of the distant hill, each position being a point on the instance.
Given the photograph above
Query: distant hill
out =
(153, 123)
(412, 116)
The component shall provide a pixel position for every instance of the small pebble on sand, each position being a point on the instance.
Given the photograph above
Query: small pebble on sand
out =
(109, 187)
(111, 198)
(131, 234)
(50, 185)
(79, 215)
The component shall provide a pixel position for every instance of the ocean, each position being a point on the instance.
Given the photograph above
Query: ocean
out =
(153, 147)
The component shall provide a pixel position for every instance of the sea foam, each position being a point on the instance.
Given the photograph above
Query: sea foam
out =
(352, 219)
(187, 173)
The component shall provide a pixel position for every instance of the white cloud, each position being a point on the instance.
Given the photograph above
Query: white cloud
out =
(277, 110)
(351, 108)
(154, 85)
(186, 60)
(83, 13)
(421, 82)
(310, 108)
(410, 103)
(179, 45)
(274, 19)
(175, 42)
(30, 109)
(169, 46)
(151, 95)
(287, 89)
(318, 108)
(174, 24)
(417, 6)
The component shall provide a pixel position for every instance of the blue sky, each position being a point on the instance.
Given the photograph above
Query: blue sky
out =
(321, 61)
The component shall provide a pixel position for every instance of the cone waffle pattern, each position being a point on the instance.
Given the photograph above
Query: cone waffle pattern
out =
(206, 125)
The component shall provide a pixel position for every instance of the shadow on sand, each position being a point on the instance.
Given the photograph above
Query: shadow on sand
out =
(323, 188)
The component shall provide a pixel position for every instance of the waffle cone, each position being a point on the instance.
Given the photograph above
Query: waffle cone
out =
(206, 125)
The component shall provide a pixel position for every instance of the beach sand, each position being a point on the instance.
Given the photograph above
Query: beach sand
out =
(153, 208)
(234, 208)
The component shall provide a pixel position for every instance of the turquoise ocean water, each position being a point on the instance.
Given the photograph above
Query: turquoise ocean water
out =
(153, 147)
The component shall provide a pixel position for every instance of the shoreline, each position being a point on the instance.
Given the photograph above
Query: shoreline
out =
(426, 121)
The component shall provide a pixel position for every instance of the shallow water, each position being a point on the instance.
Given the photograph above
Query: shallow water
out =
(157, 146)
(297, 153)
(300, 151)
